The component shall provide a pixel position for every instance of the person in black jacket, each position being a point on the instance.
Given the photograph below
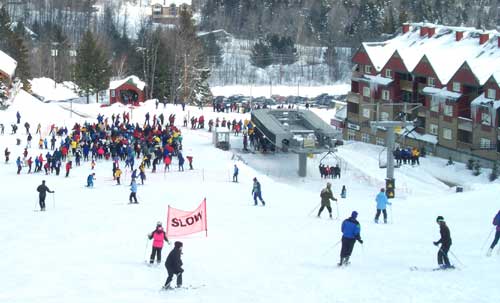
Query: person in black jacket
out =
(43, 189)
(445, 241)
(174, 265)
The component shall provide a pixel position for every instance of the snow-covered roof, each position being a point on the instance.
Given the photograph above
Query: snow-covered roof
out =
(378, 79)
(482, 100)
(444, 53)
(341, 114)
(441, 92)
(7, 64)
(131, 79)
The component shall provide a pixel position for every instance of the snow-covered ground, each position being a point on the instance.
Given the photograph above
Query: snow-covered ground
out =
(282, 90)
(90, 246)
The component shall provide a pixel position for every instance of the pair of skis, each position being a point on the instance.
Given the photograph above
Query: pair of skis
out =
(429, 269)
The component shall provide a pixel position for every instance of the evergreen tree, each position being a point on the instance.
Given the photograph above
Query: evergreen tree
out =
(470, 164)
(494, 172)
(20, 54)
(91, 69)
(477, 169)
(261, 54)
(212, 50)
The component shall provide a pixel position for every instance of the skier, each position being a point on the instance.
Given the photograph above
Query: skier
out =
(43, 189)
(7, 154)
(445, 241)
(118, 173)
(90, 180)
(326, 195)
(343, 192)
(382, 203)
(181, 161)
(496, 221)
(18, 116)
(257, 193)
(69, 164)
(174, 265)
(235, 173)
(158, 236)
(190, 161)
(350, 233)
(19, 165)
(133, 192)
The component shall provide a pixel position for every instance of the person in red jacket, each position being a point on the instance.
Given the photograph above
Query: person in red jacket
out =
(190, 161)
(158, 236)
(68, 167)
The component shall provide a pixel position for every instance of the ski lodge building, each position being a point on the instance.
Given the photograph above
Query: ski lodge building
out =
(452, 76)
(7, 69)
(167, 11)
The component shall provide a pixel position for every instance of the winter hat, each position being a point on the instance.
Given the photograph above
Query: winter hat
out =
(328, 184)
(440, 219)
(178, 244)
(158, 223)
(382, 189)
(255, 179)
(354, 214)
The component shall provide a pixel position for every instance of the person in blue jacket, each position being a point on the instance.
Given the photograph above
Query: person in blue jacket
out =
(180, 157)
(257, 193)
(351, 231)
(133, 192)
(235, 173)
(90, 180)
(382, 203)
(19, 165)
(496, 222)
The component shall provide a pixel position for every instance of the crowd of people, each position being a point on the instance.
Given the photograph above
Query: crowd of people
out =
(407, 156)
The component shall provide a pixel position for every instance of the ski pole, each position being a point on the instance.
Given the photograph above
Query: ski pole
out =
(338, 214)
(54, 200)
(486, 241)
(456, 258)
(331, 247)
(146, 247)
(315, 207)
(392, 217)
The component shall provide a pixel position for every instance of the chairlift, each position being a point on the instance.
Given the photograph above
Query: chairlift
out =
(384, 164)
(330, 158)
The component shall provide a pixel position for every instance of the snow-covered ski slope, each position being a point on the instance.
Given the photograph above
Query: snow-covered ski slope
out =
(90, 246)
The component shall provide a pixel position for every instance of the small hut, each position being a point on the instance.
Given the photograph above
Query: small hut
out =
(127, 91)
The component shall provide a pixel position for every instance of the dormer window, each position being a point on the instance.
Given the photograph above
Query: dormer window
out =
(431, 81)
(456, 87)
(388, 73)
(492, 94)
(368, 69)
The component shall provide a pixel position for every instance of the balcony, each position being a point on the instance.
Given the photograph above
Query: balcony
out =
(465, 124)
(420, 87)
(353, 97)
(406, 85)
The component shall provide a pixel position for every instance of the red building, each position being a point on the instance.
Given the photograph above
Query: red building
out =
(130, 90)
(451, 72)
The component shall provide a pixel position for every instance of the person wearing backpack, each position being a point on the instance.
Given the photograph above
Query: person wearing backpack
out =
(496, 222)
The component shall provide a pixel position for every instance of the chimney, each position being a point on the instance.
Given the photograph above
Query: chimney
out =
(483, 38)
(423, 31)
(459, 35)
(406, 28)
(431, 31)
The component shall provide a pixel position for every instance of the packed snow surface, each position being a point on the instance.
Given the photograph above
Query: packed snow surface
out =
(91, 246)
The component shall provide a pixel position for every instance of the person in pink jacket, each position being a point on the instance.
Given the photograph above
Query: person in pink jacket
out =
(158, 236)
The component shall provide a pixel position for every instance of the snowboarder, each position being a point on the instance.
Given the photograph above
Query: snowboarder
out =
(174, 265)
(445, 241)
(90, 180)
(235, 173)
(158, 236)
(382, 203)
(351, 231)
(257, 193)
(42, 190)
(326, 195)
(133, 192)
(496, 221)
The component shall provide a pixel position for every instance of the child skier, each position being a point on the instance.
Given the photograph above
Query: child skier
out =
(496, 221)
(351, 231)
(445, 241)
(174, 265)
(90, 180)
(158, 236)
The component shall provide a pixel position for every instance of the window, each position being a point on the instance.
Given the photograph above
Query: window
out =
(492, 94)
(351, 134)
(434, 105)
(447, 134)
(485, 118)
(484, 143)
(464, 136)
(380, 141)
(366, 91)
(430, 81)
(384, 116)
(366, 113)
(433, 129)
(365, 137)
(388, 73)
(353, 108)
(113, 93)
(456, 86)
(368, 69)
(448, 110)
(385, 94)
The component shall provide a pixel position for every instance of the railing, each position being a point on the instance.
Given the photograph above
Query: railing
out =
(465, 124)
(353, 97)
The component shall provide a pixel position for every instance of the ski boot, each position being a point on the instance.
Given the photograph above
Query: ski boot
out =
(331, 216)
(375, 220)
(488, 253)
(167, 287)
